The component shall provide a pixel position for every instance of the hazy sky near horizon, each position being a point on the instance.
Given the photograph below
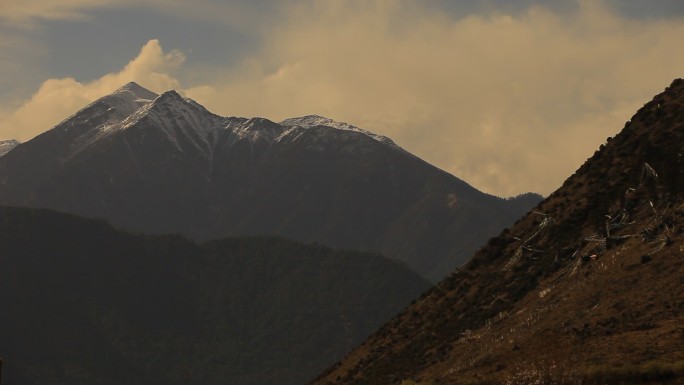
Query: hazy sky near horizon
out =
(509, 95)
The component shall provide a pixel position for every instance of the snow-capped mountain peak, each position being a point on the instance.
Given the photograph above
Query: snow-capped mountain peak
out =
(309, 121)
(110, 109)
(178, 116)
(104, 116)
(137, 90)
(184, 123)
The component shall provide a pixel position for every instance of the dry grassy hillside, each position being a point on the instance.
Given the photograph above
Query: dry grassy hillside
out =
(588, 288)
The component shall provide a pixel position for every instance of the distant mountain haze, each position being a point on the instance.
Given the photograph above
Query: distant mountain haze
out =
(164, 164)
(83, 303)
(588, 288)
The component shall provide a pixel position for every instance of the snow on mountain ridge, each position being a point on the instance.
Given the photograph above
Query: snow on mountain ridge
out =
(309, 121)
(102, 117)
(137, 90)
(7, 145)
(255, 129)
(127, 99)
(184, 121)
(174, 115)
(112, 108)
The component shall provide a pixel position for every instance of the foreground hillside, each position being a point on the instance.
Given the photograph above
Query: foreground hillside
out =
(83, 303)
(164, 164)
(586, 289)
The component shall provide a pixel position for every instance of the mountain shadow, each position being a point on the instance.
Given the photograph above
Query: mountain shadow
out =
(85, 303)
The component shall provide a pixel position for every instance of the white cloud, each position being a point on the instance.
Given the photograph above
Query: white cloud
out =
(56, 99)
(510, 103)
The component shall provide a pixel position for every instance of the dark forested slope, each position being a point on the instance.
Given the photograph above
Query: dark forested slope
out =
(82, 302)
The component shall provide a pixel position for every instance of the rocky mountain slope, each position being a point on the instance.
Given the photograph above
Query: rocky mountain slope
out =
(7, 145)
(164, 164)
(588, 288)
(83, 303)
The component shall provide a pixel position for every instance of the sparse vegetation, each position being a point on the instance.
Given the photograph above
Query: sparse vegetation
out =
(652, 372)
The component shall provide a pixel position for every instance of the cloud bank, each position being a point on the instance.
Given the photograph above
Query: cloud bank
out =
(508, 102)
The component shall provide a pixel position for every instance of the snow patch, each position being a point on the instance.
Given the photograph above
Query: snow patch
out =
(128, 99)
(138, 91)
(105, 116)
(309, 121)
(258, 129)
(7, 145)
(178, 117)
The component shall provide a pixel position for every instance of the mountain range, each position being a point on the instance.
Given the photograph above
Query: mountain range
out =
(164, 164)
(84, 303)
(588, 288)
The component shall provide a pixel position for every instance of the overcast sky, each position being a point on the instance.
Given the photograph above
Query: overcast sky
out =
(511, 96)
